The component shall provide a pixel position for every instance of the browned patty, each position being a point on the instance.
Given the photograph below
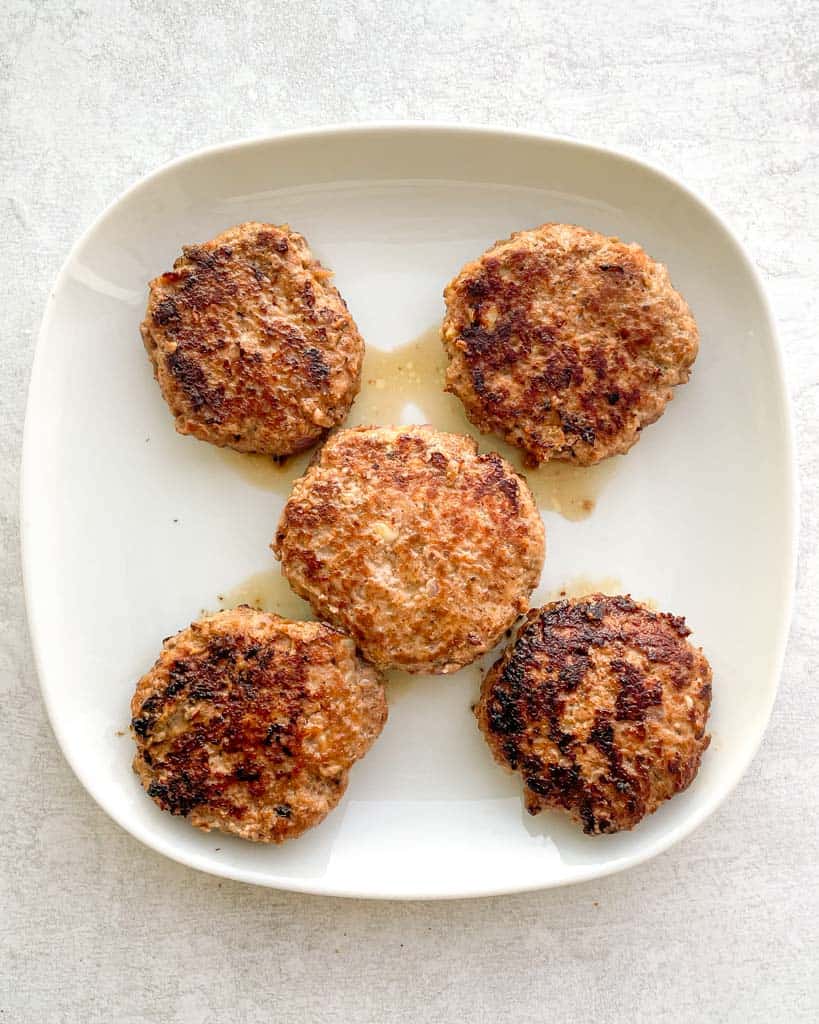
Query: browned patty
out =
(418, 547)
(566, 343)
(601, 705)
(249, 723)
(252, 346)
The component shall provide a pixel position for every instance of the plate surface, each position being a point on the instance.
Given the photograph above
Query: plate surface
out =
(130, 530)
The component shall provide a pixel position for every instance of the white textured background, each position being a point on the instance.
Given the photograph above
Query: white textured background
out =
(94, 928)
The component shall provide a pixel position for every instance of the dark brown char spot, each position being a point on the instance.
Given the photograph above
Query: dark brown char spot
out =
(637, 692)
(194, 382)
(317, 370)
(165, 311)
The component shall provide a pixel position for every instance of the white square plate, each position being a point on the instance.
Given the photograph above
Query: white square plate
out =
(131, 530)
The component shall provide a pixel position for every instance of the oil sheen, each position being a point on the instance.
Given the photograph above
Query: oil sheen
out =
(267, 591)
(406, 386)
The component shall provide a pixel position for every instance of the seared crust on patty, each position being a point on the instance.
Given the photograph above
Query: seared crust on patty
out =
(418, 547)
(252, 346)
(566, 343)
(249, 723)
(601, 705)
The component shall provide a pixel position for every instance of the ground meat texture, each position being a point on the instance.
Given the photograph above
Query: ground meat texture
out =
(566, 343)
(252, 346)
(421, 549)
(250, 723)
(601, 705)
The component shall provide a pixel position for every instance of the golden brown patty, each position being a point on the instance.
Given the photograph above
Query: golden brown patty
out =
(566, 343)
(418, 547)
(252, 345)
(601, 705)
(249, 723)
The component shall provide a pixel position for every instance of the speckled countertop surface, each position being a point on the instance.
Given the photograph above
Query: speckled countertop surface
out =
(95, 928)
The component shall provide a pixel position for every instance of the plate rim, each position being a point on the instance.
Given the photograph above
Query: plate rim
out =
(442, 128)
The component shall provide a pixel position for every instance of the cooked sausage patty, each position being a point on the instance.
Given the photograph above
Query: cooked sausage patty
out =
(601, 705)
(252, 346)
(418, 547)
(566, 343)
(249, 723)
